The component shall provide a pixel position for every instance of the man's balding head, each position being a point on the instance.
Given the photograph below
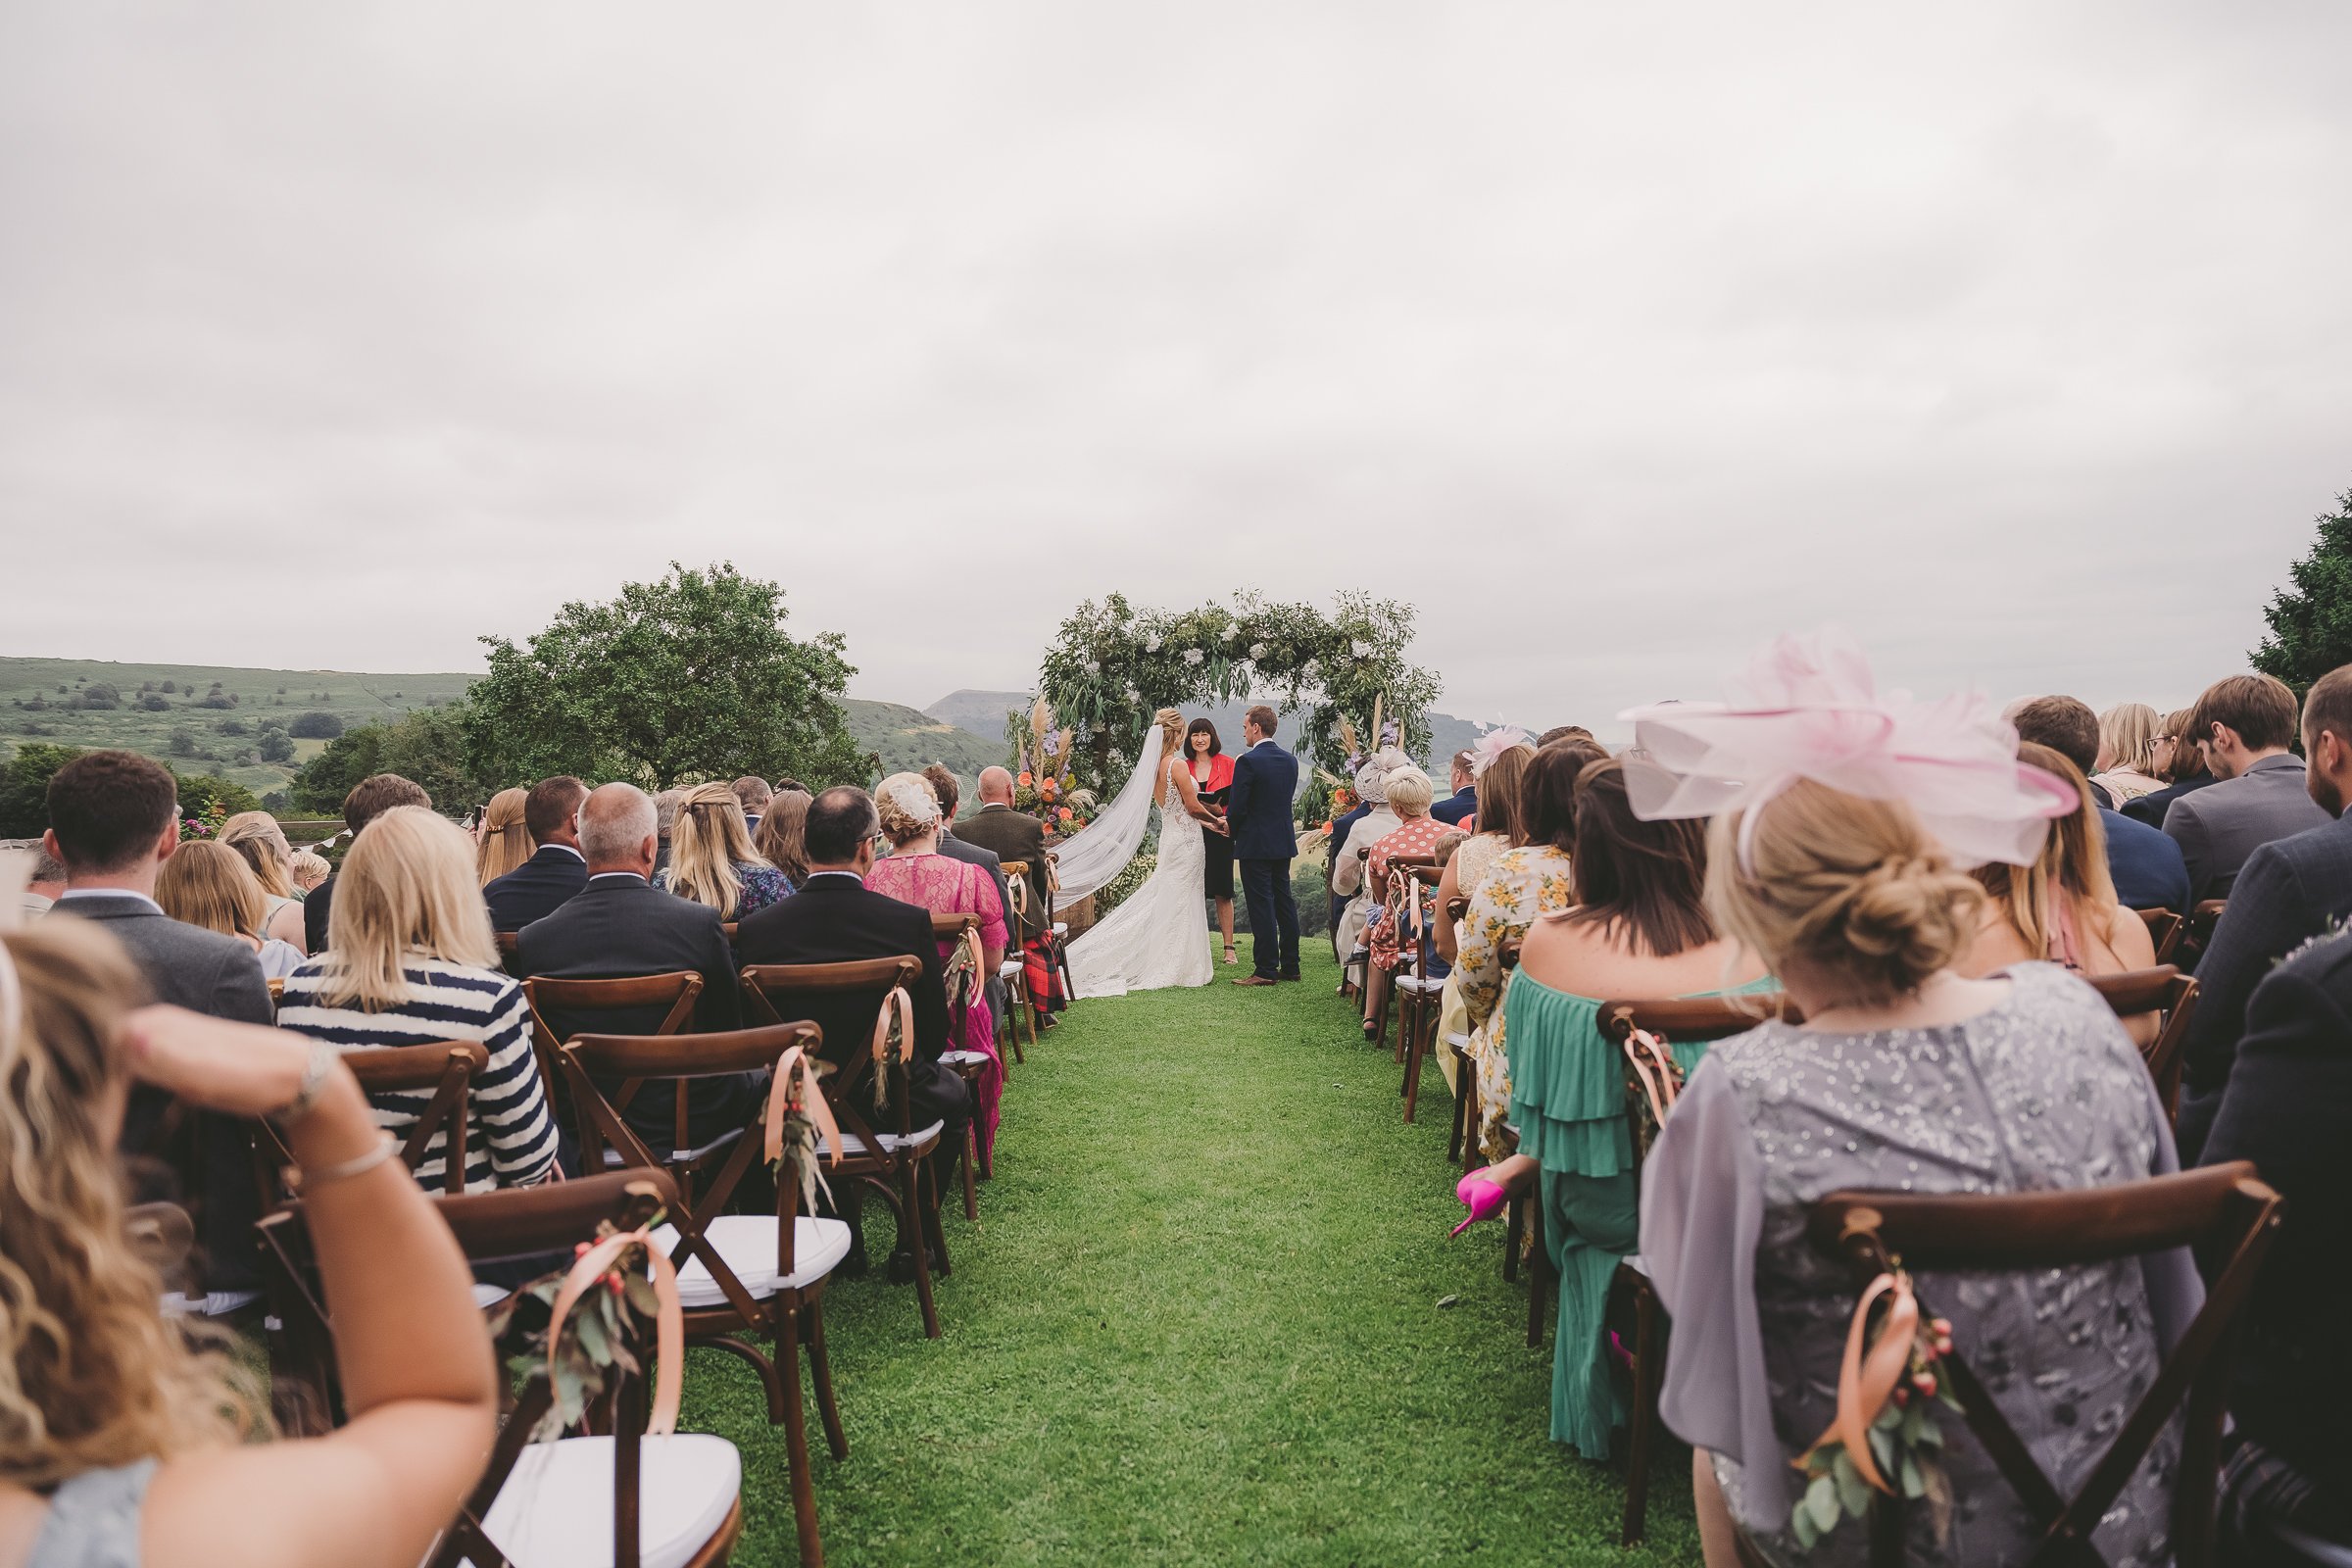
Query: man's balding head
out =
(996, 786)
(618, 831)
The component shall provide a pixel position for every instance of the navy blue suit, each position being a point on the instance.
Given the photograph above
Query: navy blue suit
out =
(1265, 783)
(1456, 806)
(537, 887)
(2146, 865)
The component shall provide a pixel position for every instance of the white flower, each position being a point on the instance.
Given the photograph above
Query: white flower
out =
(1134, 695)
(1152, 644)
(1360, 649)
(1311, 669)
(1194, 655)
(1258, 650)
(1093, 667)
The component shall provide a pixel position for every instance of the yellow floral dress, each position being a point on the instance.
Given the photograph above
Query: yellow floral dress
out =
(1524, 883)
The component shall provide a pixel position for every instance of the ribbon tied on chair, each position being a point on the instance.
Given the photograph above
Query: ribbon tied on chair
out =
(1867, 1379)
(796, 1081)
(1655, 1070)
(670, 1321)
(898, 1007)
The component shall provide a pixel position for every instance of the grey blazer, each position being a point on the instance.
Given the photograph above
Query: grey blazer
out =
(2217, 827)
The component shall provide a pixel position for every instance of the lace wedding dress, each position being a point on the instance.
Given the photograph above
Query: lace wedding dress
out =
(1159, 937)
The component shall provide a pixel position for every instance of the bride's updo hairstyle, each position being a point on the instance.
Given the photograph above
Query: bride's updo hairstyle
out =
(909, 805)
(1849, 892)
(1171, 732)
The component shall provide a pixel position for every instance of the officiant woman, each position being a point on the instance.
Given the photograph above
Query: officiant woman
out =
(1212, 775)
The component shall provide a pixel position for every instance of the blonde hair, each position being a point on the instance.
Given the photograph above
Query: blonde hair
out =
(407, 888)
(505, 840)
(2072, 868)
(908, 806)
(1171, 732)
(2127, 733)
(782, 837)
(257, 836)
(1410, 792)
(708, 841)
(1850, 892)
(209, 884)
(309, 868)
(96, 1376)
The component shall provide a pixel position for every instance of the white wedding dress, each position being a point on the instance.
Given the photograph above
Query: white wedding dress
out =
(1159, 937)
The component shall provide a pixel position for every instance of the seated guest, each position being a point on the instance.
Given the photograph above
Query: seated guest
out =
(2284, 1107)
(942, 785)
(621, 926)
(1497, 830)
(208, 884)
(1415, 834)
(2128, 752)
(113, 821)
(409, 960)
(130, 1442)
(2144, 867)
(1859, 911)
(309, 870)
(257, 837)
(368, 798)
(751, 794)
(1562, 734)
(778, 840)
(1524, 882)
(48, 880)
(836, 918)
(2290, 891)
(557, 872)
(503, 840)
(1640, 931)
(665, 815)
(2243, 726)
(920, 873)
(1462, 804)
(2176, 764)
(1348, 859)
(1012, 835)
(712, 860)
(2062, 908)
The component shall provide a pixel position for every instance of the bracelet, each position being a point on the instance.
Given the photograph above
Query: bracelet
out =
(322, 1059)
(357, 1165)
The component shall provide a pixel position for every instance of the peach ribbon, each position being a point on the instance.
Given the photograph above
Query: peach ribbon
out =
(1865, 1382)
(796, 1067)
(1653, 1066)
(904, 1004)
(1016, 895)
(669, 1332)
(977, 954)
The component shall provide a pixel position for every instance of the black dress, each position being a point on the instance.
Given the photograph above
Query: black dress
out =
(1216, 865)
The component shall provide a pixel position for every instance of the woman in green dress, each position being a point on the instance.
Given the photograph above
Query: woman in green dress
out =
(1639, 931)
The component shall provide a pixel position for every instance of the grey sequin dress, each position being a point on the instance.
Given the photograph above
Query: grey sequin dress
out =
(2041, 1092)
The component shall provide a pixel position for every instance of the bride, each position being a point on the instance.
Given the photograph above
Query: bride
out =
(1158, 937)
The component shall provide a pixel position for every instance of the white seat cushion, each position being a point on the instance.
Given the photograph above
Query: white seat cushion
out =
(1010, 969)
(1460, 1040)
(747, 1243)
(219, 1304)
(961, 1058)
(556, 1509)
(1418, 983)
(487, 1297)
(852, 1144)
(1062, 928)
(614, 1160)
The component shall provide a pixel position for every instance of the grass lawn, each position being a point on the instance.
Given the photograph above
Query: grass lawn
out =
(1198, 1323)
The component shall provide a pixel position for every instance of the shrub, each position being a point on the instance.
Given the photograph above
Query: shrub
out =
(24, 788)
(315, 726)
(182, 744)
(230, 726)
(277, 746)
(154, 703)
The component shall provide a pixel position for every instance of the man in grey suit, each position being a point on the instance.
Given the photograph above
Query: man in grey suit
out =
(114, 819)
(2290, 891)
(943, 784)
(2243, 726)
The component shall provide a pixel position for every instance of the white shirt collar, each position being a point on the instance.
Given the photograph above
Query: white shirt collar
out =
(574, 853)
(108, 893)
(604, 876)
(848, 875)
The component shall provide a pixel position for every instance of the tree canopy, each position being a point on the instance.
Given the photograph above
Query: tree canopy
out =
(690, 676)
(429, 746)
(2311, 624)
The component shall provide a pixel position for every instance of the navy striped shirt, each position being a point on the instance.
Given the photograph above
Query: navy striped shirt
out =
(509, 1133)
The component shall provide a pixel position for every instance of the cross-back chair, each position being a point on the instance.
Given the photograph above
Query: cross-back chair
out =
(2223, 1212)
(739, 1275)
(1418, 993)
(967, 985)
(2162, 990)
(1381, 985)
(678, 992)
(1461, 1139)
(508, 943)
(2199, 936)
(1015, 972)
(893, 1163)
(443, 1071)
(2164, 931)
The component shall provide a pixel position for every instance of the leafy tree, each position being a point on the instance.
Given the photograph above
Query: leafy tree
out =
(277, 746)
(182, 744)
(2311, 626)
(428, 748)
(99, 694)
(205, 794)
(315, 726)
(348, 759)
(277, 802)
(691, 676)
(24, 788)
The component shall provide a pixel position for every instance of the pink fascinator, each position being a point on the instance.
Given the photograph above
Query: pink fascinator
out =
(1491, 744)
(1808, 709)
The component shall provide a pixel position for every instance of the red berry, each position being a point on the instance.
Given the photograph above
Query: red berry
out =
(1925, 1384)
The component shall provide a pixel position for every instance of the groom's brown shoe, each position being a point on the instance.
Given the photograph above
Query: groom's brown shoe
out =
(1254, 980)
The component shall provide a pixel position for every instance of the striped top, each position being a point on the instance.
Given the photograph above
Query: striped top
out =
(510, 1132)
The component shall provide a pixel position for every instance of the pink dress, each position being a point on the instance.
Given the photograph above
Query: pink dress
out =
(955, 887)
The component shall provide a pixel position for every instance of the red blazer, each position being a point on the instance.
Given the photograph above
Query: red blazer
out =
(1220, 773)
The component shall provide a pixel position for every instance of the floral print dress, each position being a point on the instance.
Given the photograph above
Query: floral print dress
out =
(1523, 883)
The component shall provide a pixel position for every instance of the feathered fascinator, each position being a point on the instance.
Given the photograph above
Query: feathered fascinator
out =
(1491, 744)
(1807, 708)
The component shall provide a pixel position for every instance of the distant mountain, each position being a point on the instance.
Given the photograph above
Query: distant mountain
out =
(909, 741)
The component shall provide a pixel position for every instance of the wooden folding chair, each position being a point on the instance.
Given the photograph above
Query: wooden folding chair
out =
(967, 985)
(894, 1164)
(738, 1274)
(2164, 931)
(1419, 992)
(2199, 937)
(678, 990)
(2223, 1212)
(1633, 1299)
(1014, 971)
(508, 942)
(2162, 990)
(443, 1071)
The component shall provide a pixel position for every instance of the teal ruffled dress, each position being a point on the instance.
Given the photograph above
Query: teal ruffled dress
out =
(1568, 1101)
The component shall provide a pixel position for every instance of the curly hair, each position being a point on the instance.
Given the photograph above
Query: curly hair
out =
(908, 806)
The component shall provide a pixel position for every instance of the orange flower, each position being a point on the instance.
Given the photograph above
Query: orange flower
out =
(1026, 780)
(1064, 813)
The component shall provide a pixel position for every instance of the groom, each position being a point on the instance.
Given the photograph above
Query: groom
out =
(1266, 781)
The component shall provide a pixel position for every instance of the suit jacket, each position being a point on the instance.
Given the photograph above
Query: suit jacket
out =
(2151, 807)
(206, 972)
(1265, 783)
(2291, 890)
(315, 904)
(955, 849)
(620, 926)
(1458, 806)
(2285, 1107)
(835, 918)
(2217, 828)
(1012, 835)
(537, 887)
(2145, 865)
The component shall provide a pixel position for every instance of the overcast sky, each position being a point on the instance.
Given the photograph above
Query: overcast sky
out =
(1614, 337)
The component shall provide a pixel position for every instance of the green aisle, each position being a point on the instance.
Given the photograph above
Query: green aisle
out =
(1197, 1322)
